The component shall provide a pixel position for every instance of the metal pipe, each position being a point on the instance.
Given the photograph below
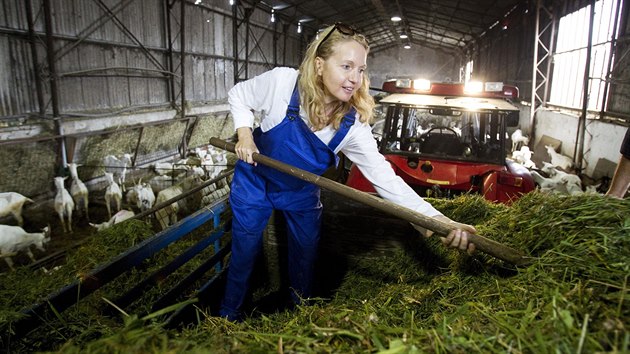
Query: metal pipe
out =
(38, 80)
(488, 246)
(550, 51)
(533, 108)
(248, 12)
(182, 78)
(611, 55)
(578, 152)
(78, 72)
(50, 54)
(235, 41)
(54, 94)
(169, 47)
(85, 134)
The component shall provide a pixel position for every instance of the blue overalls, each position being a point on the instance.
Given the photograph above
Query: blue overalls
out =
(257, 190)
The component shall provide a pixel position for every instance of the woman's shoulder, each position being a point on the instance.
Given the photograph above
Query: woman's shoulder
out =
(284, 71)
(281, 78)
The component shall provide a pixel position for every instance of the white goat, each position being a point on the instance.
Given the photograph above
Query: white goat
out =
(201, 153)
(146, 197)
(518, 139)
(168, 215)
(559, 160)
(12, 203)
(524, 157)
(572, 182)
(162, 168)
(159, 183)
(63, 204)
(118, 167)
(117, 218)
(220, 164)
(14, 239)
(112, 194)
(78, 190)
(547, 184)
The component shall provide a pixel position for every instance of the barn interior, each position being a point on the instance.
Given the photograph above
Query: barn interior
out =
(138, 88)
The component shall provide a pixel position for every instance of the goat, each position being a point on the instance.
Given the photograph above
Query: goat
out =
(572, 182)
(546, 184)
(12, 203)
(162, 168)
(146, 197)
(64, 204)
(159, 183)
(524, 157)
(518, 139)
(78, 190)
(14, 239)
(219, 164)
(112, 193)
(201, 153)
(168, 214)
(118, 167)
(559, 160)
(564, 177)
(117, 218)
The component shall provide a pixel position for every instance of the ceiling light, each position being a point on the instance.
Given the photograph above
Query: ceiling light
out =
(403, 35)
(273, 15)
(396, 19)
(299, 29)
(231, 2)
(407, 46)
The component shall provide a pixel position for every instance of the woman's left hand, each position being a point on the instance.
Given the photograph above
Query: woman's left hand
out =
(457, 238)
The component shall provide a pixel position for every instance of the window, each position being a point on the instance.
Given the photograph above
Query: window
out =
(567, 83)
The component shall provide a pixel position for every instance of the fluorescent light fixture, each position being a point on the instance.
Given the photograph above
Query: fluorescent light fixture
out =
(396, 19)
(404, 35)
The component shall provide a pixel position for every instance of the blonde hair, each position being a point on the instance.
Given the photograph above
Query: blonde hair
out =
(311, 86)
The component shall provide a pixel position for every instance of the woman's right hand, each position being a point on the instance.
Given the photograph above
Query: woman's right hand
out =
(245, 146)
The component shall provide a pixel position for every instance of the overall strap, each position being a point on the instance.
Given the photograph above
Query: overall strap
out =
(346, 123)
(293, 110)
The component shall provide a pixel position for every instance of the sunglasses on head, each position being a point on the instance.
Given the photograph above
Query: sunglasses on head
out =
(342, 28)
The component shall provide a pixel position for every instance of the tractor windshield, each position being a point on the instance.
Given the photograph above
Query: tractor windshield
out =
(443, 133)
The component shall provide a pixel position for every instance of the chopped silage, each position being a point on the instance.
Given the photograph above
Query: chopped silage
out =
(572, 299)
(92, 317)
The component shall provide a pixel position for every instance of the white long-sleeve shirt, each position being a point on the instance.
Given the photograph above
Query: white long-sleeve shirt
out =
(270, 93)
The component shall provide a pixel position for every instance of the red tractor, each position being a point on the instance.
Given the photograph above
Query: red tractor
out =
(446, 139)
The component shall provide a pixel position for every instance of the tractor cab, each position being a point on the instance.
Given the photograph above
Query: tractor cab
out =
(445, 139)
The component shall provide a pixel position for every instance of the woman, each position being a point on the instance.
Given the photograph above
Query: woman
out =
(307, 118)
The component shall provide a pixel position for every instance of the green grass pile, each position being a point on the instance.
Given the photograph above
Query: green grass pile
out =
(88, 320)
(573, 298)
